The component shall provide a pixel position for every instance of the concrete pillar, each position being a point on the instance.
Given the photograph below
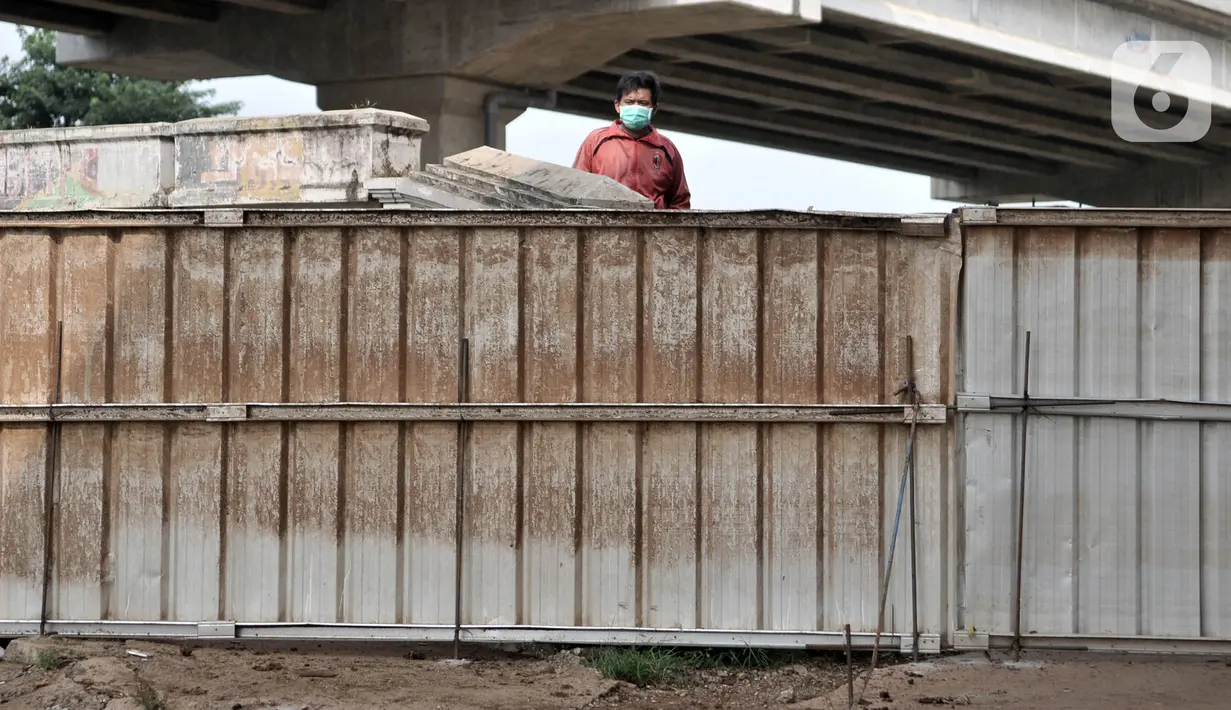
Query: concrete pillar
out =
(452, 107)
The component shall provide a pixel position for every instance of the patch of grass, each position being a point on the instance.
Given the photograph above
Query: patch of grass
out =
(49, 659)
(641, 666)
(149, 699)
(747, 659)
(655, 665)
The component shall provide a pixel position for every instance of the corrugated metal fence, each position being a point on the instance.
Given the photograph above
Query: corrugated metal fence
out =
(1127, 538)
(677, 427)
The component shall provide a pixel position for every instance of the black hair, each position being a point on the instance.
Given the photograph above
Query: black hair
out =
(639, 80)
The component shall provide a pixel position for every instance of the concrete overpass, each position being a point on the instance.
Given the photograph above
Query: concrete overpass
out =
(997, 100)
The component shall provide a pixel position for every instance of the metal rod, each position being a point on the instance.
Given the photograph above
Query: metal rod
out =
(1021, 504)
(893, 542)
(463, 393)
(913, 390)
(931, 415)
(49, 482)
(850, 670)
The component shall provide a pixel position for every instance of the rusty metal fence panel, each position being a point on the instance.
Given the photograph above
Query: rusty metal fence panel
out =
(678, 427)
(1127, 537)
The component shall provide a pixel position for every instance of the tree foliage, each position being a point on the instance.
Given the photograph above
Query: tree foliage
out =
(36, 93)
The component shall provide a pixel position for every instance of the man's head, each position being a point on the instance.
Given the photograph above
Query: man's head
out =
(637, 99)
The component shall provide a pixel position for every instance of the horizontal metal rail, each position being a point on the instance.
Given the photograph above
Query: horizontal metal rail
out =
(1066, 217)
(624, 636)
(487, 412)
(964, 641)
(1159, 409)
(373, 215)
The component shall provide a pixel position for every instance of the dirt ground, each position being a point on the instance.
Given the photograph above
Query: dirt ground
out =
(67, 674)
(1047, 681)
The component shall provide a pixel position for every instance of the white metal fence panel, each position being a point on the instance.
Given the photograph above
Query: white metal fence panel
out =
(1128, 441)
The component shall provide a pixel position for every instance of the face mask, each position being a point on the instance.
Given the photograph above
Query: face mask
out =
(635, 117)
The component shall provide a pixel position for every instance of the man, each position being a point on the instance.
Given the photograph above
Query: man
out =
(632, 152)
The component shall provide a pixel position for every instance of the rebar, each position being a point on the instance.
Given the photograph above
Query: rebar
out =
(463, 394)
(1021, 504)
(50, 480)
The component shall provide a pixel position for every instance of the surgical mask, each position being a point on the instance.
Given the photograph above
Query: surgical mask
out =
(635, 117)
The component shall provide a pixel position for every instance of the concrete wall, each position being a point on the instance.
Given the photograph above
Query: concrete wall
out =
(309, 158)
(322, 157)
(71, 168)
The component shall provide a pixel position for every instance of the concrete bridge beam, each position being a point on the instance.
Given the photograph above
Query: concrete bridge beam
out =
(1151, 185)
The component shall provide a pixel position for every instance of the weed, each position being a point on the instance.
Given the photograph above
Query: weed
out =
(50, 659)
(746, 658)
(641, 666)
(149, 699)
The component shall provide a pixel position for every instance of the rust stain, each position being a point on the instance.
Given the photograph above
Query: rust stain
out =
(26, 321)
(730, 304)
(435, 307)
(493, 313)
(491, 484)
(255, 471)
(80, 507)
(851, 303)
(371, 479)
(431, 487)
(609, 482)
(22, 464)
(316, 316)
(83, 308)
(610, 300)
(550, 471)
(373, 322)
(790, 321)
(670, 484)
(551, 317)
(256, 316)
(140, 316)
(197, 328)
(670, 326)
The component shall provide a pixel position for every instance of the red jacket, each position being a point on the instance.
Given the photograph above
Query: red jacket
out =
(650, 165)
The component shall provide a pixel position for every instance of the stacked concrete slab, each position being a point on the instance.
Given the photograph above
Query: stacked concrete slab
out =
(334, 157)
(486, 178)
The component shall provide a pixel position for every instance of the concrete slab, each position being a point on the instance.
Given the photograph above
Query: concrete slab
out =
(411, 192)
(571, 187)
(323, 157)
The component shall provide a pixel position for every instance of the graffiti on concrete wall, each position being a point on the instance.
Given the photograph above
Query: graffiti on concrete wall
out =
(40, 178)
(255, 167)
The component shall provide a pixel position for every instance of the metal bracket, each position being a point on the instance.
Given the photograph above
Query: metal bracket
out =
(978, 215)
(226, 413)
(224, 218)
(967, 640)
(974, 403)
(928, 414)
(928, 643)
(216, 630)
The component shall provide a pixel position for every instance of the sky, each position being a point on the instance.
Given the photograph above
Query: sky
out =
(722, 175)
